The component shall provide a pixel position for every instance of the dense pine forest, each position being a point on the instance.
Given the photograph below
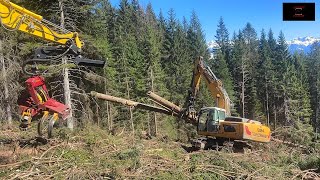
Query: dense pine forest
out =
(147, 51)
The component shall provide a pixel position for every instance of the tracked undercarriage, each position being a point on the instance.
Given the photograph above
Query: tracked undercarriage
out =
(209, 143)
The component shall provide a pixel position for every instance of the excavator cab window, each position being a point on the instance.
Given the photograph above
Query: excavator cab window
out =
(202, 126)
(222, 115)
(209, 120)
(213, 121)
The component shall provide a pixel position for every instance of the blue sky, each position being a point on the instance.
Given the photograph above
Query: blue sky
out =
(236, 13)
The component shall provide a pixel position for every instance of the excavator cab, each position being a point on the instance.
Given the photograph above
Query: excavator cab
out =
(209, 119)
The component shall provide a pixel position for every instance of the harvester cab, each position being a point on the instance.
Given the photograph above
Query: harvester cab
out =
(37, 100)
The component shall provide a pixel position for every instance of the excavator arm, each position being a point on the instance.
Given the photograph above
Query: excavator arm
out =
(14, 17)
(214, 84)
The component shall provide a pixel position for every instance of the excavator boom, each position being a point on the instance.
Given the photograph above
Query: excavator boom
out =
(214, 84)
(15, 17)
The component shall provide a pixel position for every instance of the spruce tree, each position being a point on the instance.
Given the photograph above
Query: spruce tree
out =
(265, 76)
(314, 84)
(196, 38)
(250, 57)
(222, 38)
(219, 64)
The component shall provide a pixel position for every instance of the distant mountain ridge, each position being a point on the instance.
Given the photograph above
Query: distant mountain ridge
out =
(300, 44)
(212, 44)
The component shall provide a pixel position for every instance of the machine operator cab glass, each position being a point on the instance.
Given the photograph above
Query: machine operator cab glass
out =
(209, 119)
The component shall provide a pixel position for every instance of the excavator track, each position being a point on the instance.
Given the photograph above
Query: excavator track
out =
(207, 143)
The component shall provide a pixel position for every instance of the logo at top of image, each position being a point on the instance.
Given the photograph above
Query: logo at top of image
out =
(299, 11)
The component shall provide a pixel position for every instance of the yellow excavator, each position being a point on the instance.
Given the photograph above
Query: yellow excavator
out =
(214, 125)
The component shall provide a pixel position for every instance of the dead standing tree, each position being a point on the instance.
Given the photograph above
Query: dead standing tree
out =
(74, 96)
(4, 80)
(9, 80)
(5, 86)
(243, 84)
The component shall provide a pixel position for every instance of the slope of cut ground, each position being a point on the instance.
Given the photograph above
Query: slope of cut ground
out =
(91, 153)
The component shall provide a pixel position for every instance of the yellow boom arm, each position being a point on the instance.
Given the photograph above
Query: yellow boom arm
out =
(15, 17)
(214, 84)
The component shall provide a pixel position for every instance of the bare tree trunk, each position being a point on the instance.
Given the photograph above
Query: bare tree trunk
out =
(275, 116)
(66, 82)
(149, 121)
(108, 116)
(267, 105)
(130, 109)
(153, 120)
(317, 110)
(109, 119)
(61, 13)
(98, 116)
(286, 112)
(242, 87)
(131, 120)
(317, 121)
(5, 85)
(67, 94)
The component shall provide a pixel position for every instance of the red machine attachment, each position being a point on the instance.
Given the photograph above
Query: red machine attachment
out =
(35, 102)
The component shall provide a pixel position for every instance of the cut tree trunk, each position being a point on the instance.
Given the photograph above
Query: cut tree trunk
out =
(5, 85)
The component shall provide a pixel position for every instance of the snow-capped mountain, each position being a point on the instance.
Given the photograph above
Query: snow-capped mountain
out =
(301, 44)
(213, 47)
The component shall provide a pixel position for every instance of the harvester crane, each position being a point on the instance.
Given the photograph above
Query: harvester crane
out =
(35, 100)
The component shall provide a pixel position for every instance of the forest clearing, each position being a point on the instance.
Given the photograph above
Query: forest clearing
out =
(91, 153)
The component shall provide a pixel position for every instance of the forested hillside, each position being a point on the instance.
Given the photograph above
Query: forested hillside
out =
(145, 51)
